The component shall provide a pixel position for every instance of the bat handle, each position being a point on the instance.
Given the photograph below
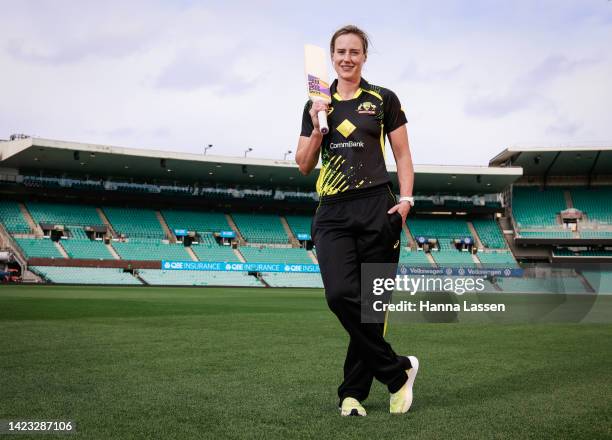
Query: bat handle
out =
(323, 127)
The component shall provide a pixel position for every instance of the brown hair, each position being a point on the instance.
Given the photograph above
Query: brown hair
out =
(350, 29)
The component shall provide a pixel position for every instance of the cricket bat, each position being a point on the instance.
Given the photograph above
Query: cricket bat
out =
(315, 63)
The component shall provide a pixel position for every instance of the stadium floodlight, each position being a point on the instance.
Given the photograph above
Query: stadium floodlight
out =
(248, 150)
(288, 152)
(207, 148)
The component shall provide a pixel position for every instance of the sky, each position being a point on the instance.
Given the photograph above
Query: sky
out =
(474, 77)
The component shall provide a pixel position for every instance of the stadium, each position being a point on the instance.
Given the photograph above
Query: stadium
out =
(155, 294)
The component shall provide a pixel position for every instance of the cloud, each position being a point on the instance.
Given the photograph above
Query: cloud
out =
(551, 68)
(413, 72)
(498, 105)
(72, 51)
(526, 89)
(195, 69)
(564, 127)
(57, 33)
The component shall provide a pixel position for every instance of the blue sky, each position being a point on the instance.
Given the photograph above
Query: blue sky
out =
(473, 76)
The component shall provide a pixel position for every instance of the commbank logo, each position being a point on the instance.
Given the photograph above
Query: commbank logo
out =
(348, 144)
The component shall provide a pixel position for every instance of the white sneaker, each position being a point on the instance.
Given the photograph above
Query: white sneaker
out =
(400, 402)
(352, 407)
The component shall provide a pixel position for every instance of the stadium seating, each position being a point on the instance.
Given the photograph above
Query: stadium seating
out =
(414, 258)
(546, 234)
(143, 249)
(64, 214)
(280, 279)
(542, 285)
(85, 275)
(403, 238)
(134, 222)
(496, 259)
(453, 257)
(215, 253)
(196, 221)
(535, 208)
(600, 280)
(275, 255)
(261, 228)
(299, 224)
(12, 218)
(595, 234)
(38, 248)
(207, 239)
(489, 232)
(198, 278)
(444, 229)
(85, 248)
(594, 202)
(582, 253)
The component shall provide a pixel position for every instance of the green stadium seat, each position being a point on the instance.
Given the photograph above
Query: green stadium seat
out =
(85, 275)
(489, 232)
(64, 214)
(535, 208)
(414, 258)
(275, 255)
(83, 247)
(198, 278)
(496, 259)
(12, 218)
(299, 224)
(541, 285)
(215, 253)
(595, 234)
(282, 279)
(444, 229)
(546, 234)
(594, 202)
(196, 221)
(261, 228)
(135, 222)
(600, 280)
(38, 248)
(453, 257)
(150, 250)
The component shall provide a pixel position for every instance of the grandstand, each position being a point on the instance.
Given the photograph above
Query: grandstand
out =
(116, 227)
(558, 211)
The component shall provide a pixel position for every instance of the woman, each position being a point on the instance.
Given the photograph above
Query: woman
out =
(358, 219)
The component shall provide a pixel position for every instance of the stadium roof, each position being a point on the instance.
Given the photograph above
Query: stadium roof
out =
(557, 161)
(36, 155)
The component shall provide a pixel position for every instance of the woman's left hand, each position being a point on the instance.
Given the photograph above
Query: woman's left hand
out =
(403, 208)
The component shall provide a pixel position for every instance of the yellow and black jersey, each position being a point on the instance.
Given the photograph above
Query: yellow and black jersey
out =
(353, 152)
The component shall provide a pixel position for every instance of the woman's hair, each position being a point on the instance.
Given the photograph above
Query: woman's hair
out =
(350, 29)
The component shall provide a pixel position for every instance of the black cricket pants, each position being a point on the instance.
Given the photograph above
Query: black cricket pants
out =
(349, 229)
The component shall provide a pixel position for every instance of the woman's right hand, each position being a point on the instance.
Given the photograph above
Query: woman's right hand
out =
(316, 107)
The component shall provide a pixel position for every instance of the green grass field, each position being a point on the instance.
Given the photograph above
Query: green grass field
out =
(182, 363)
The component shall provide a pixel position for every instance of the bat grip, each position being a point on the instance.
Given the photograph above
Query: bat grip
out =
(323, 127)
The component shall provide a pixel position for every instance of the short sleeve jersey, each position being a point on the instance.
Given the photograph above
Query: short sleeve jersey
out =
(353, 152)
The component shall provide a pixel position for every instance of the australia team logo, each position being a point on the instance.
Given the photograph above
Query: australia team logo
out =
(366, 108)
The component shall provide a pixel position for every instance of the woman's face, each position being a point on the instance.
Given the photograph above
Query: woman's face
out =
(348, 57)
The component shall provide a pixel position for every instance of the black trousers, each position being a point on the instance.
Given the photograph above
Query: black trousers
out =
(348, 230)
